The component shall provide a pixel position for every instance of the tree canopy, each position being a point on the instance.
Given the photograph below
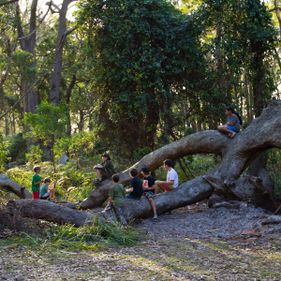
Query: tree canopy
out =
(135, 74)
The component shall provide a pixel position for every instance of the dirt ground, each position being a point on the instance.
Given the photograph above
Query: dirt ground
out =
(192, 243)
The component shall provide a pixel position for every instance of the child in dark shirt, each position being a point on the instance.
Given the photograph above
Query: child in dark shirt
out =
(149, 189)
(135, 191)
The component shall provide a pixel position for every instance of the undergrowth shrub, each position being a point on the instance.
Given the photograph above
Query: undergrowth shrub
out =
(89, 237)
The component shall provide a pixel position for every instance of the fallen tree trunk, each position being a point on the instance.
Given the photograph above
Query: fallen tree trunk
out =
(237, 155)
(11, 186)
(229, 179)
(204, 142)
(47, 210)
(189, 193)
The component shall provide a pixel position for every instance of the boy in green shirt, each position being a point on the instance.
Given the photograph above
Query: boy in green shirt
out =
(36, 181)
(116, 196)
(116, 193)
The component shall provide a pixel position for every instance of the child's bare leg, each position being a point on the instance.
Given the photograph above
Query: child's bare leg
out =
(157, 187)
(153, 205)
(52, 194)
(223, 130)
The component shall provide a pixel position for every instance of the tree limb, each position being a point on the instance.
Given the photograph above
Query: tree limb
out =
(13, 187)
(189, 193)
(201, 142)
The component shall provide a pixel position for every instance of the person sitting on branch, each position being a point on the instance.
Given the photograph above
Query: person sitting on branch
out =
(105, 170)
(172, 179)
(232, 127)
(149, 189)
(46, 191)
(135, 191)
(108, 165)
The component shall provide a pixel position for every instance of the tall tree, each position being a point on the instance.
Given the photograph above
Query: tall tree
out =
(54, 96)
(27, 40)
(143, 53)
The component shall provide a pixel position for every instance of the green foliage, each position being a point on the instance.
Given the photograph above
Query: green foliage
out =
(239, 36)
(48, 123)
(74, 184)
(25, 61)
(88, 237)
(77, 146)
(274, 167)
(143, 53)
(34, 154)
(17, 147)
(21, 175)
(200, 164)
(4, 152)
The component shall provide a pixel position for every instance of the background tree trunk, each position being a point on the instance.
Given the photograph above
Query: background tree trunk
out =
(27, 44)
(54, 96)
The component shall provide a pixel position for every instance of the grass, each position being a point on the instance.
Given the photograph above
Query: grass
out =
(89, 237)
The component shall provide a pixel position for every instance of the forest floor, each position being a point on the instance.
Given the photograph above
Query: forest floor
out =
(192, 243)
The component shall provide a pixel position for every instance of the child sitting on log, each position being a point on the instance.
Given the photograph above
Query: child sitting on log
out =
(105, 170)
(135, 191)
(115, 200)
(172, 179)
(149, 189)
(232, 126)
(46, 191)
(116, 193)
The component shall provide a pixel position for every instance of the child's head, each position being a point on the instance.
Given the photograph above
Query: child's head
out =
(134, 173)
(47, 181)
(229, 111)
(145, 171)
(105, 157)
(115, 178)
(168, 164)
(36, 169)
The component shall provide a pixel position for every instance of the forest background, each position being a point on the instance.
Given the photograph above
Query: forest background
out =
(128, 76)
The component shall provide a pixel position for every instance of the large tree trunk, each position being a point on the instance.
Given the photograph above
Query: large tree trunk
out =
(189, 193)
(28, 44)
(237, 154)
(54, 96)
(202, 142)
(227, 179)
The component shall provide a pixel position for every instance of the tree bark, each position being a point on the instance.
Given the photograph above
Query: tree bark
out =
(228, 179)
(201, 142)
(49, 211)
(237, 154)
(189, 193)
(278, 15)
(27, 44)
(54, 96)
(13, 187)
